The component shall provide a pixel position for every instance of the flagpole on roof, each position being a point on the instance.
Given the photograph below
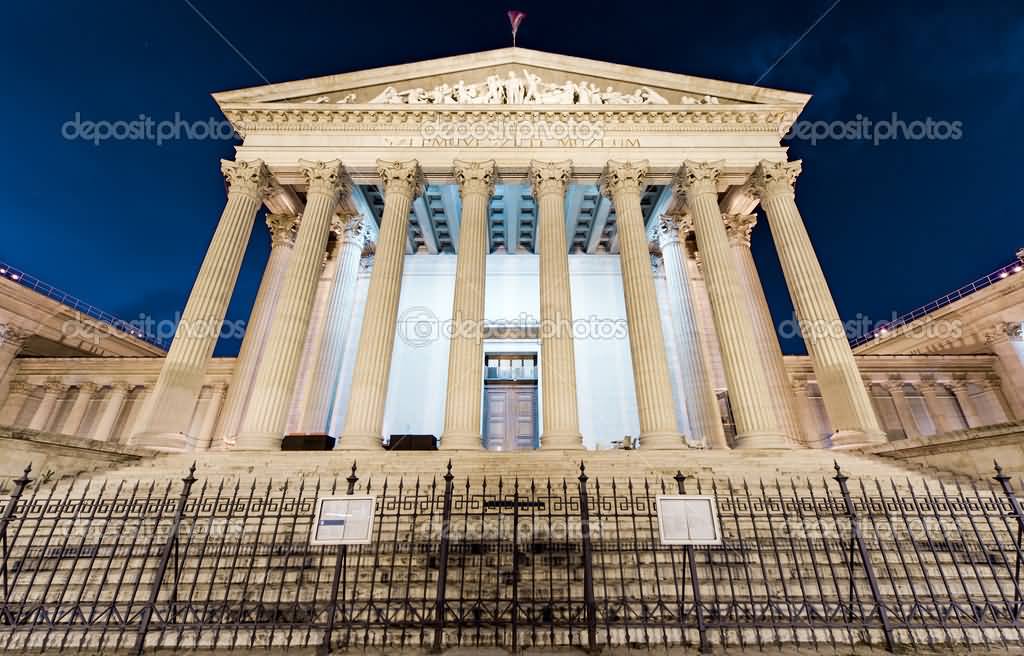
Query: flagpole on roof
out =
(515, 17)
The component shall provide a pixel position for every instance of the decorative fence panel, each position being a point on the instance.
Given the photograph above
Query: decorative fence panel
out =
(510, 563)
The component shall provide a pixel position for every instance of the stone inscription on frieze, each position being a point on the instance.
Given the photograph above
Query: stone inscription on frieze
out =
(499, 132)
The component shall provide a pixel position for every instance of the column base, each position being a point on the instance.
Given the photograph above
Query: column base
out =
(221, 446)
(165, 442)
(561, 442)
(848, 439)
(661, 441)
(762, 441)
(258, 442)
(461, 442)
(360, 442)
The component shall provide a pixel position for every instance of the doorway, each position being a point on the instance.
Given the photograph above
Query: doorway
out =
(510, 402)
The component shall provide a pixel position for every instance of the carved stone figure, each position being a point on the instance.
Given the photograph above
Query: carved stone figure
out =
(516, 90)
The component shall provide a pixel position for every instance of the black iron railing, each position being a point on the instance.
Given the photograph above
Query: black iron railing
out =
(511, 563)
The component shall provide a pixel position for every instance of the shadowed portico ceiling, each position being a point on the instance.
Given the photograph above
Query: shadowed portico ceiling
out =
(590, 225)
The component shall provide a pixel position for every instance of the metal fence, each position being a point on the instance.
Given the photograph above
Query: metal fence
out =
(509, 563)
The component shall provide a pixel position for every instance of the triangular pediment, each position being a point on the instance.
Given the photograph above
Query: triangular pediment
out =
(510, 76)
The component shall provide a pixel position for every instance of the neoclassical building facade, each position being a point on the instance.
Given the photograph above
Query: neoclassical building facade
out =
(516, 250)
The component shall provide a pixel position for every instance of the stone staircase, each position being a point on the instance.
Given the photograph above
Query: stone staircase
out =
(243, 573)
(803, 465)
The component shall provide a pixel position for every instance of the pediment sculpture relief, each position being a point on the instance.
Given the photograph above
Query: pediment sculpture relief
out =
(515, 90)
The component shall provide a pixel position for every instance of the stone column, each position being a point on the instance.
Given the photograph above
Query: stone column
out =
(12, 338)
(312, 343)
(849, 408)
(929, 390)
(462, 415)
(557, 348)
(78, 408)
(364, 421)
(263, 425)
(282, 237)
(903, 410)
(143, 402)
(758, 425)
(738, 228)
(698, 394)
(1006, 341)
(327, 366)
(994, 388)
(805, 413)
(112, 409)
(181, 378)
(962, 392)
(205, 435)
(17, 395)
(53, 389)
(622, 182)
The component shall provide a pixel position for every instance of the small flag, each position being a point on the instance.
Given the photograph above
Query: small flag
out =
(515, 17)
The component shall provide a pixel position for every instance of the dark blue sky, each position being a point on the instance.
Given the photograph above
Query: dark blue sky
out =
(124, 225)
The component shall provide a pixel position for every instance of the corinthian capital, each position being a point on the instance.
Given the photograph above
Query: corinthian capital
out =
(354, 231)
(14, 336)
(324, 177)
(54, 386)
(250, 178)
(771, 179)
(549, 177)
(622, 178)
(696, 178)
(668, 230)
(404, 178)
(738, 228)
(21, 388)
(282, 229)
(475, 177)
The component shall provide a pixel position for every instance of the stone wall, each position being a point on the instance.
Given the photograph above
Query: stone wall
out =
(54, 455)
(969, 452)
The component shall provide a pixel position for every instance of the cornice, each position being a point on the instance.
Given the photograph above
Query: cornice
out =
(248, 118)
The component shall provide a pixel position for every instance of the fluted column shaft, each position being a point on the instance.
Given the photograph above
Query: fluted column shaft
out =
(994, 389)
(52, 392)
(559, 404)
(622, 183)
(205, 435)
(805, 414)
(462, 414)
(848, 406)
(903, 409)
(181, 378)
(282, 237)
(929, 390)
(17, 395)
(313, 343)
(967, 406)
(364, 421)
(112, 410)
(738, 228)
(327, 367)
(698, 394)
(758, 424)
(1006, 342)
(78, 409)
(264, 422)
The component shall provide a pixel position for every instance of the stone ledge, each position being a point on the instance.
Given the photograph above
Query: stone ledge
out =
(60, 454)
(970, 452)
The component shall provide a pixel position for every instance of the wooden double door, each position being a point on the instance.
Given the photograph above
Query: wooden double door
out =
(510, 416)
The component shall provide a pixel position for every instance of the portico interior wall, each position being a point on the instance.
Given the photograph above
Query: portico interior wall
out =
(419, 368)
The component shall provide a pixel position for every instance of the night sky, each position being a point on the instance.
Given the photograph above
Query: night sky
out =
(124, 225)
